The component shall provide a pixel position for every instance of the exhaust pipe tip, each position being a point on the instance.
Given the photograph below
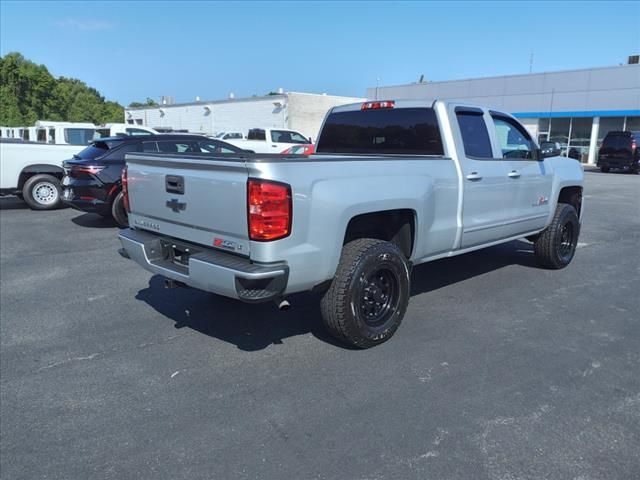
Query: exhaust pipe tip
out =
(284, 305)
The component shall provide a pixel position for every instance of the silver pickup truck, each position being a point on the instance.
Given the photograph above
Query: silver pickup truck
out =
(393, 184)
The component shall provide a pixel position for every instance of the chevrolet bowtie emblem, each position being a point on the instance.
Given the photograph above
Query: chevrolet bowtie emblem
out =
(175, 205)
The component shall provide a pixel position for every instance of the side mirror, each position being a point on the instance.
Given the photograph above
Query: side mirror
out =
(549, 149)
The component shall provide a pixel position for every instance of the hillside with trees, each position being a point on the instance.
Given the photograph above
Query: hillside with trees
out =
(28, 92)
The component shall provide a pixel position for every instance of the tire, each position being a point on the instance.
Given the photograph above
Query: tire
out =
(42, 192)
(556, 245)
(118, 212)
(604, 169)
(369, 294)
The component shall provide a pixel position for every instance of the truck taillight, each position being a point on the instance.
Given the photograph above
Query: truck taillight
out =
(378, 105)
(269, 210)
(125, 190)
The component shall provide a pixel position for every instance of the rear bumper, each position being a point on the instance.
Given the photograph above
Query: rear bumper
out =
(207, 269)
(89, 206)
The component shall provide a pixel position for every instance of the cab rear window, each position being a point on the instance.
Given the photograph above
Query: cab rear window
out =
(411, 131)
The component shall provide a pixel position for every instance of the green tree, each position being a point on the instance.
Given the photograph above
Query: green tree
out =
(28, 92)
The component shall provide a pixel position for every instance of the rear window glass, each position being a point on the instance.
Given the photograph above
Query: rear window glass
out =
(256, 134)
(385, 131)
(97, 149)
(617, 141)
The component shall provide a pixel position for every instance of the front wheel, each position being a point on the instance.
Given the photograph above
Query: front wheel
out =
(604, 169)
(369, 294)
(42, 192)
(556, 245)
(118, 211)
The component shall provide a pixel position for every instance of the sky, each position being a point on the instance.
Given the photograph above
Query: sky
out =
(131, 50)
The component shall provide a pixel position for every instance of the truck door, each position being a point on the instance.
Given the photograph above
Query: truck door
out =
(484, 180)
(528, 180)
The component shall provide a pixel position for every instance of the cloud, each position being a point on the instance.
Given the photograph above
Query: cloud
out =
(87, 25)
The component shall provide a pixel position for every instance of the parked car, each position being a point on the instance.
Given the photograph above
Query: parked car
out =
(300, 150)
(33, 171)
(113, 129)
(92, 181)
(392, 185)
(267, 140)
(620, 150)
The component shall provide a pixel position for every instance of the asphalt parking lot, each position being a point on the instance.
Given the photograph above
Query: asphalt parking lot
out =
(501, 370)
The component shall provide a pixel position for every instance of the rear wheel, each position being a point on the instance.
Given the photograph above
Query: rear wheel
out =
(118, 211)
(42, 192)
(556, 245)
(604, 169)
(369, 294)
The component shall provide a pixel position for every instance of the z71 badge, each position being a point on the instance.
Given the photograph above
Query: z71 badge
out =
(542, 200)
(227, 244)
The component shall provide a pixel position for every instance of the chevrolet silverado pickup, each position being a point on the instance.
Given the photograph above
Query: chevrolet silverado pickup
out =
(392, 184)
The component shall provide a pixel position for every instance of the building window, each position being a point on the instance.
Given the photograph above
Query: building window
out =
(632, 124)
(578, 147)
(559, 132)
(543, 130)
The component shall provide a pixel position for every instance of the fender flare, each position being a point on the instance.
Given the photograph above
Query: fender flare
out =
(38, 168)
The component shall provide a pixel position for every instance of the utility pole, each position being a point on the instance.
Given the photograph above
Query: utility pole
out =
(377, 85)
(531, 63)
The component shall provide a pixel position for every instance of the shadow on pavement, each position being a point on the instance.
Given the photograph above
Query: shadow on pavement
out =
(255, 327)
(12, 203)
(92, 220)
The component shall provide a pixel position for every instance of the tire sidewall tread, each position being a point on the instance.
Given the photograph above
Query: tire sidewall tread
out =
(545, 247)
(28, 195)
(336, 306)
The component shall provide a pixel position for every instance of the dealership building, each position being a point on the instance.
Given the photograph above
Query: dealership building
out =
(573, 107)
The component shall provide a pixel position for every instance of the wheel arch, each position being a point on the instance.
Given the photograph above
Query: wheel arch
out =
(573, 196)
(31, 170)
(397, 226)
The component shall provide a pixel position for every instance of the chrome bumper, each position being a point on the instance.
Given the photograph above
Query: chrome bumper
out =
(207, 269)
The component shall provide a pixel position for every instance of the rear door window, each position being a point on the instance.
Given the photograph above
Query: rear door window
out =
(410, 131)
(284, 136)
(475, 136)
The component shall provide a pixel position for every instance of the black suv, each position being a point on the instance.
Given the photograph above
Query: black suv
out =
(92, 180)
(620, 150)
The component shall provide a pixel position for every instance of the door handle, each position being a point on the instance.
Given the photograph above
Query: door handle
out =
(514, 174)
(474, 176)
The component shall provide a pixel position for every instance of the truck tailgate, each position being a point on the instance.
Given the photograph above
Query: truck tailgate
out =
(198, 199)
